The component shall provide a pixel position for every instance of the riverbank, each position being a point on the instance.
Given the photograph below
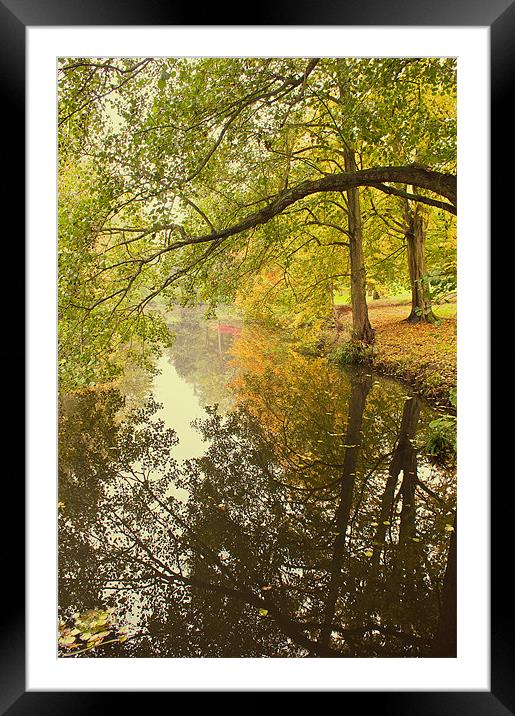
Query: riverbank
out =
(423, 355)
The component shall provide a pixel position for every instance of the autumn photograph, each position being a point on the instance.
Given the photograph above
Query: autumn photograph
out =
(257, 340)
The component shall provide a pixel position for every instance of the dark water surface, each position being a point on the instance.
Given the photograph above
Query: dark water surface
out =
(252, 502)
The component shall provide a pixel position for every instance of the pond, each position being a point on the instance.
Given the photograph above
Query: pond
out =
(250, 501)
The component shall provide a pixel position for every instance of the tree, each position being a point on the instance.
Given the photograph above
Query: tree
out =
(205, 162)
(416, 227)
(361, 328)
(425, 106)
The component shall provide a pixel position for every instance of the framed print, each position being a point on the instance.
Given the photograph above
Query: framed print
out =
(251, 485)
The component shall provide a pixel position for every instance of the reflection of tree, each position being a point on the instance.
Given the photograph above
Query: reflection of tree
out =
(444, 643)
(94, 449)
(271, 554)
(302, 403)
(359, 391)
(199, 354)
(401, 579)
(87, 448)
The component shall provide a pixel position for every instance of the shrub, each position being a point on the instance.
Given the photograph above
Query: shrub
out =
(440, 442)
(351, 353)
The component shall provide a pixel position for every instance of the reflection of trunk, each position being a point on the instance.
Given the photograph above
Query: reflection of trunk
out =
(402, 459)
(407, 527)
(361, 328)
(409, 557)
(444, 644)
(360, 388)
(398, 586)
(404, 579)
(415, 233)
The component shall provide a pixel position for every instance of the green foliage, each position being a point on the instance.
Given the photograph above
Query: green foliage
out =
(442, 283)
(97, 336)
(441, 440)
(154, 152)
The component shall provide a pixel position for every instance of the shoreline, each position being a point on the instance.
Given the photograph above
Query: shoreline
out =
(421, 355)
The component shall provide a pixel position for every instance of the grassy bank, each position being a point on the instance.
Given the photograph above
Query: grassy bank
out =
(423, 355)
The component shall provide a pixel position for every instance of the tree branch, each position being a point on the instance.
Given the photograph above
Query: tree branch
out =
(442, 184)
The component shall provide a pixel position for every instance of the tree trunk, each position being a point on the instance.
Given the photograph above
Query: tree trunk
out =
(416, 225)
(362, 331)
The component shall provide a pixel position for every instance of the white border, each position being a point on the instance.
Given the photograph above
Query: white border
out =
(470, 670)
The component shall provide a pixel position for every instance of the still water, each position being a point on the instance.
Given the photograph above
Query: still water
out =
(249, 501)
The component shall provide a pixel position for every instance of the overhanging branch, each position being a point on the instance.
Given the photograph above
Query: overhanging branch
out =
(441, 184)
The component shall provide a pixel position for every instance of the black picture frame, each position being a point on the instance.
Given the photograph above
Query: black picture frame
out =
(15, 17)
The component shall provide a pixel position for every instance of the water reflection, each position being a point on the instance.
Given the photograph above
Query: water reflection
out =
(311, 528)
(200, 355)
